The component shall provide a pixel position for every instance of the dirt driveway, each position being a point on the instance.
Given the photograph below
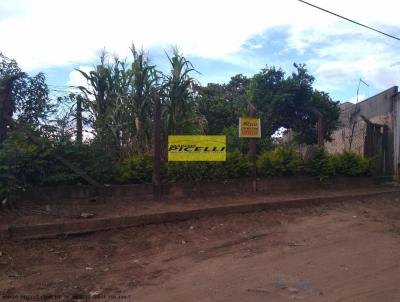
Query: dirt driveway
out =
(344, 252)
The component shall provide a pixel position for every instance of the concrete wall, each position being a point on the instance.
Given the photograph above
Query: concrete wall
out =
(383, 109)
(377, 105)
(341, 139)
(143, 192)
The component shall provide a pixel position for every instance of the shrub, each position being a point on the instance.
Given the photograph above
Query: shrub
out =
(352, 164)
(136, 169)
(280, 161)
(324, 165)
(101, 165)
(56, 173)
(22, 164)
(236, 165)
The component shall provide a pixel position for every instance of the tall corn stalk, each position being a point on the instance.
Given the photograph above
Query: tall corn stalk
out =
(180, 110)
(119, 95)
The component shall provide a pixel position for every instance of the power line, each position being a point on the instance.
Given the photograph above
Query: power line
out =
(350, 20)
(62, 86)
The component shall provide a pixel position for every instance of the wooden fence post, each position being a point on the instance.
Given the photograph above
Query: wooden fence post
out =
(253, 152)
(157, 147)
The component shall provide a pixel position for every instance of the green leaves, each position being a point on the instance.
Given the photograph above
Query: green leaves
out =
(286, 161)
(135, 169)
(180, 110)
(119, 94)
(29, 95)
(280, 161)
(325, 166)
(236, 165)
(292, 103)
(21, 163)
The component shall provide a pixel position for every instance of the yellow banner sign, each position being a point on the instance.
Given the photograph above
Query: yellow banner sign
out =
(196, 148)
(249, 127)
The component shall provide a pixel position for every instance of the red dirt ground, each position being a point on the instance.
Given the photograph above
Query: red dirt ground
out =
(72, 210)
(342, 252)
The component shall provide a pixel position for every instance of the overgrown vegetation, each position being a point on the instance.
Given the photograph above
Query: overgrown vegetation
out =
(105, 127)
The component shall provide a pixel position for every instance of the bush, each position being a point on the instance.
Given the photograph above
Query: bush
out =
(322, 165)
(281, 161)
(100, 164)
(58, 174)
(325, 166)
(136, 169)
(22, 164)
(236, 165)
(352, 164)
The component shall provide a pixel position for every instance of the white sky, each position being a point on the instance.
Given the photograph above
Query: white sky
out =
(47, 33)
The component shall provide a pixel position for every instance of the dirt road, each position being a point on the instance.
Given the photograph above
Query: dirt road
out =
(345, 252)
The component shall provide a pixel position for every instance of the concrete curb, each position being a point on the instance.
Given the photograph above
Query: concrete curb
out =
(53, 230)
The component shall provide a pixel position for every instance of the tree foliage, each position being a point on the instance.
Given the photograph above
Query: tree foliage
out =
(105, 128)
(222, 105)
(292, 103)
(29, 99)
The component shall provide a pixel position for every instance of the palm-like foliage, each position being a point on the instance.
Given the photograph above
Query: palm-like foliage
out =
(120, 101)
(104, 85)
(144, 78)
(179, 106)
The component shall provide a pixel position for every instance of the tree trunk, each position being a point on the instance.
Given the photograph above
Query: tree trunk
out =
(6, 105)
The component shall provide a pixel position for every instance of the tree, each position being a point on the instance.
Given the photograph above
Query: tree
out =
(292, 103)
(222, 105)
(26, 97)
(71, 118)
(7, 106)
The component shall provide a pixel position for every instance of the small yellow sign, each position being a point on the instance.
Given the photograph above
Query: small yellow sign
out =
(196, 148)
(249, 127)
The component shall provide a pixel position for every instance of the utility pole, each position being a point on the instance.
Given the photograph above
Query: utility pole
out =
(157, 146)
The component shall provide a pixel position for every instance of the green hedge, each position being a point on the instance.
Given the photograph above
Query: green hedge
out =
(278, 162)
(281, 161)
(138, 169)
(23, 164)
(325, 166)
(236, 165)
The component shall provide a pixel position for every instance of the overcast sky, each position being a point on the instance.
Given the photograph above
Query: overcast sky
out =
(221, 37)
